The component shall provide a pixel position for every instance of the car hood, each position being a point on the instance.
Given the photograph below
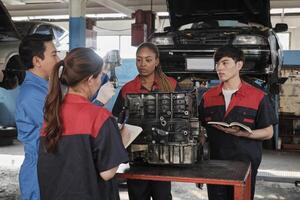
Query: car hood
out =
(7, 27)
(189, 11)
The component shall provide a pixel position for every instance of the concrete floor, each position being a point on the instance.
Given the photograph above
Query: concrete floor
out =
(280, 166)
(276, 178)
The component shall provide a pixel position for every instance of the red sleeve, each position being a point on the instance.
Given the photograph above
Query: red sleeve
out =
(173, 82)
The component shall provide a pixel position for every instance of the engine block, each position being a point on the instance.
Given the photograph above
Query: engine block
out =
(170, 127)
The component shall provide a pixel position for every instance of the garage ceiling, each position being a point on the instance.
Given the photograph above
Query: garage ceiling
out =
(60, 7)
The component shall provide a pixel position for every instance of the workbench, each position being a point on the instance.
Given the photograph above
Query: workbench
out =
(237, 174)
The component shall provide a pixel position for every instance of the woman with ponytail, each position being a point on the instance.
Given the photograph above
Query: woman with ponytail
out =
(81, 145)
(150, 78)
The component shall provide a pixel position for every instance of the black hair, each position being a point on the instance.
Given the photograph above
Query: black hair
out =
(229, 51)
(33, 45)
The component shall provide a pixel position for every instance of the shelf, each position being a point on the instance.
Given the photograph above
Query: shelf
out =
(289, 116)
(288, 132)
(288, 135)
(291, 146)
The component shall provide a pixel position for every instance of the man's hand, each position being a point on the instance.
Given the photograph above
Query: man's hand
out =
(105, 93)
(235, 130)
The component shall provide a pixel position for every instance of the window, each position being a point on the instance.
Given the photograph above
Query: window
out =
(121, 43)
(107, 43)
(285, 40)
(58, 32)
(126, 50)
(44, 29)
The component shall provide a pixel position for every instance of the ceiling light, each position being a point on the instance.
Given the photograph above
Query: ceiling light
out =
(43, 1)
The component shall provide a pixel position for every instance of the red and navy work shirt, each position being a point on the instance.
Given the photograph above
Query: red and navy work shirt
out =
(91, 143)
(249, 106)
(135, 86)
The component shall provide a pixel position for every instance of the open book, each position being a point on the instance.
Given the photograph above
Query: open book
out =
(243, 126)
(134, 131)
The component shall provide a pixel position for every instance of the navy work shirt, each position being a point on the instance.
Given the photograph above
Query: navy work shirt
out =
(91, 143)
(249, 106)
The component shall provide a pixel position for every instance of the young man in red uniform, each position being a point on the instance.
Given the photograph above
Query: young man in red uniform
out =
(235, 101)
(150, 78)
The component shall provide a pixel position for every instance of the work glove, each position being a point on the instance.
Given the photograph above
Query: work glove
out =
(105, 93)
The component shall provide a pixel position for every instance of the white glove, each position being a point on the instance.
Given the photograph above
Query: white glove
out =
(106, 68)
(105, 93)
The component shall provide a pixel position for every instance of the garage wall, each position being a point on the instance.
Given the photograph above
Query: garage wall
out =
(294, 28)
(121, 27)
(290, 90)
(108, 28)
(116, 27)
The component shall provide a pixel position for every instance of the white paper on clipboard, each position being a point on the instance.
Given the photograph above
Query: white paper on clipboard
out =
(133, 131)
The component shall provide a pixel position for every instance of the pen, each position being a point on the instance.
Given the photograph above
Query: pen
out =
(124, 122)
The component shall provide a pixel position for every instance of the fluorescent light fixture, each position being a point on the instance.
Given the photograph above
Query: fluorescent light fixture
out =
(19, 18)
(162, 14)
(276, 10)
(13, 2)
(284, 10)
(107, 15)
(42, 1)
(46, 17)
(291, 10)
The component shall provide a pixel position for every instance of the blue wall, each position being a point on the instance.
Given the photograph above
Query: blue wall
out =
(291, 58)
(126, 72)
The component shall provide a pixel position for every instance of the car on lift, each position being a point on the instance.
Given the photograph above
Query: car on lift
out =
(11, 69)
(198, 28)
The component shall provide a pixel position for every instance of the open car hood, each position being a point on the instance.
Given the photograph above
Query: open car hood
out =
(189, 11)
(7, 27)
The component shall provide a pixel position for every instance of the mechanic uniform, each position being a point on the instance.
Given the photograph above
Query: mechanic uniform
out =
(29, 119)
(91, 143)
(249, 106)
(143, 189)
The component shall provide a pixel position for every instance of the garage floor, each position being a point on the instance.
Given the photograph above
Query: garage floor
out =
(277, 175)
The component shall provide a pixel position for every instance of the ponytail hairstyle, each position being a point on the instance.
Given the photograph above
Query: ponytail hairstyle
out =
(163, 82)
(79, 64)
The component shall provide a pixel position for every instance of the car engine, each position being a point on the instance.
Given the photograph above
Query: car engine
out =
(170, 128)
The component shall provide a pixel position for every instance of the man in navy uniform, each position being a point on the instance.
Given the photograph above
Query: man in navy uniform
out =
(234, 100)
